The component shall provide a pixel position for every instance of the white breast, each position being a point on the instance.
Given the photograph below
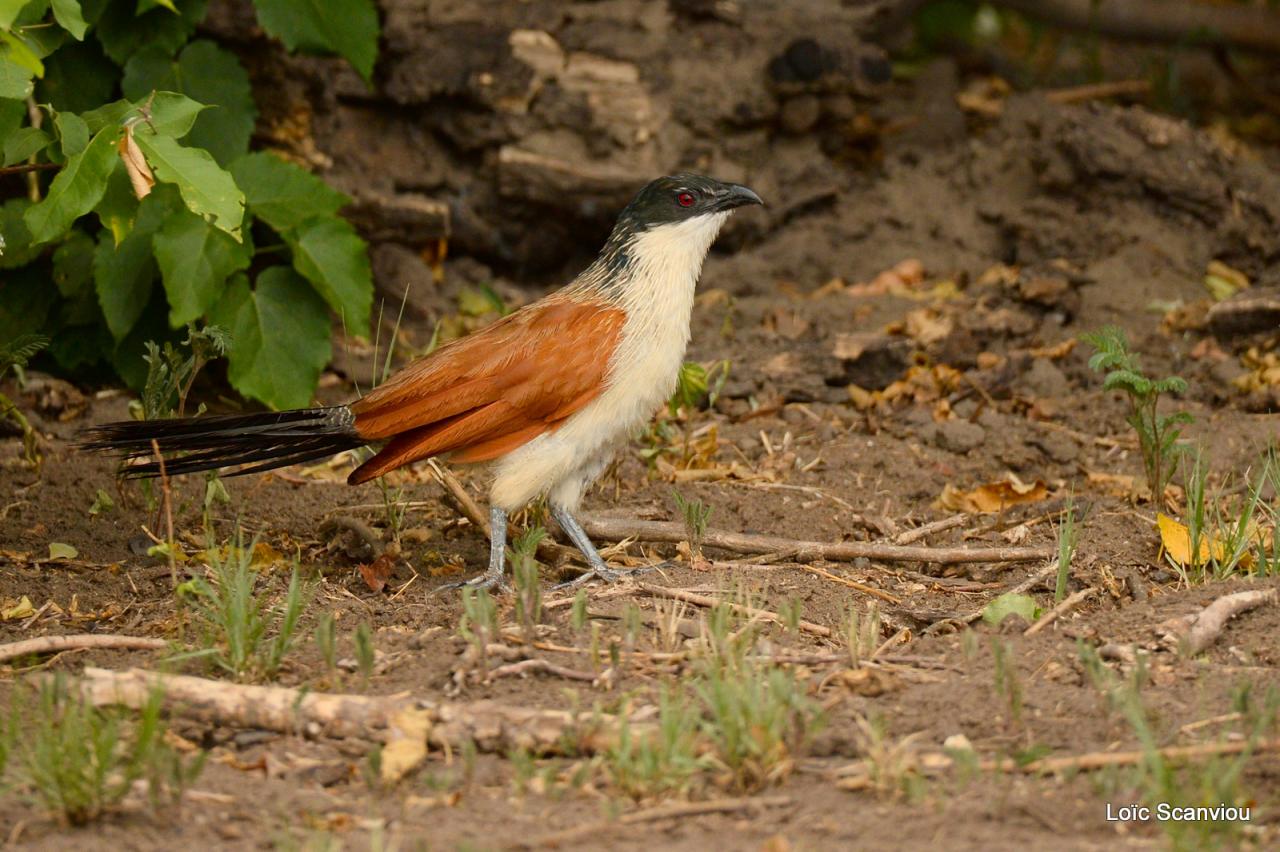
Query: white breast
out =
(665, 264)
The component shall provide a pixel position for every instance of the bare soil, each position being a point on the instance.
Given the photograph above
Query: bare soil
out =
(1031, 227)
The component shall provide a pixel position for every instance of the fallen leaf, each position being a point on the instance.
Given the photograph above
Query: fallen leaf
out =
(1115, 484)
(21, 609)
(377, 572)
(102, 502)
(927, 326)
(1223, 281)
(1010, 604)
(406, 744)
(58, 550)
(993, 496)
(1175, 542)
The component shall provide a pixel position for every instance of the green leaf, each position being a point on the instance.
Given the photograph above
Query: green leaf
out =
(108, 115)
(1010, 604)
(119, 205)
(59, 550)
(173, 114)
(210, 75)
(17, 51)
(124, 274)
(73, 264)
(73, 133)
(102, 502)
(67, 14)
(331, 256)
(13, 114)
(280, 331)
(15, 81)
(17, 247)
(281, 194)
(123, 32)
(207, 189)
(195, 261)
(25, 300)
(75, 190)
(9, 10)
(148, 5)
(22, 143)
(345, 27)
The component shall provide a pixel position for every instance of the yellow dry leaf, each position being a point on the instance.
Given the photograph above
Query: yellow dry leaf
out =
(927, 326)
(1223, 281)
(406, 744)
(1175, 540)
(135, 165)
(21, 609)
(993, 496)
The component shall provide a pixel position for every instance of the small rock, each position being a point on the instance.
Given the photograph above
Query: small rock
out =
(799, 114)
(959, 436)
(1044, 380)
(872, 361)
(1225, 372)
(1057, 447)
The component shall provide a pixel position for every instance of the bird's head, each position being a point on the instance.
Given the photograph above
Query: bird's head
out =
(676, 218)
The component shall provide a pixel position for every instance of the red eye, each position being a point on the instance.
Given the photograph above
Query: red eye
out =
(685, 199)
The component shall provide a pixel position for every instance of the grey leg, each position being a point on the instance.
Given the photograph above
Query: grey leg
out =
(492, 578)
(580, 540)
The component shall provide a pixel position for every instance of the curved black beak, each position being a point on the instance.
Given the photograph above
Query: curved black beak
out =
(733, 195)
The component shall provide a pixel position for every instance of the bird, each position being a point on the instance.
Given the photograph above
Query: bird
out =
(545, 395)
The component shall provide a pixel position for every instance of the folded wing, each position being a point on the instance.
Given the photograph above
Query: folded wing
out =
(486, 394)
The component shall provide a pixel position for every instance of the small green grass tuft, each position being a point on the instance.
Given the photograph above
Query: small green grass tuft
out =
(696, 515)
(1068, 539)
(1157, 434)
(239, 633)
(646, 765)
(81, 762)
(523, 555)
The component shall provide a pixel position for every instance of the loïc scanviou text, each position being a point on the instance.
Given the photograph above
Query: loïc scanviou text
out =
(1165, 812)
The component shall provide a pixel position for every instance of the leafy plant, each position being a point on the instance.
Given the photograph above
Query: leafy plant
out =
(523, 554)
(241, 635)
(14, 355)
(366, 653)
(696, 515)
(1157, 434)
(479, 624)
(646, 764)
(81, 761)
(144, 205)
(1068, 538)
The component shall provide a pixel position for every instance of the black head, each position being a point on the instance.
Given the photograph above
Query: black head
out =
(678, 197)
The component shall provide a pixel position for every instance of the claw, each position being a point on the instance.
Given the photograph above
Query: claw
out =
(484, 581)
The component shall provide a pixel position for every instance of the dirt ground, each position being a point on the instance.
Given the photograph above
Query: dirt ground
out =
(903, 323)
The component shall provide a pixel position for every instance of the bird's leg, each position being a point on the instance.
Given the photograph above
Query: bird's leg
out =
(580, 540)
(492, 578)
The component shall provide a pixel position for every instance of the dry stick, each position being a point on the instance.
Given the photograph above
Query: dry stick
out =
(1093, 91)
(28, 167)
(77, 641)
(661, 812)
(491, 726)
(537, 664)
(617, 529)
(1198, 632)
(1025, 586)
(861, 779)
(912, 536)
(709, 602)
(853, 584)
(547, 550)
(1065, 606)
(168, 511)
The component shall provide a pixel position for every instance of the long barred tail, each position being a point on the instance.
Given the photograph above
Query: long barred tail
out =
(265, 441)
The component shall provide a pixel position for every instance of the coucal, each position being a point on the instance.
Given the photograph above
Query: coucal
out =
(546, 394)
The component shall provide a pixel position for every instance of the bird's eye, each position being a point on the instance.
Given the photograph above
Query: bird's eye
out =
(685, 199)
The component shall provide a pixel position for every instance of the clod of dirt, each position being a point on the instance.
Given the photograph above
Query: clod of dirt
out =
(959, 436)
(1247, 312)
(1045, 381)
(870, 361)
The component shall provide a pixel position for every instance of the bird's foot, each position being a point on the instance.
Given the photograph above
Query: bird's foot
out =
(487, 580)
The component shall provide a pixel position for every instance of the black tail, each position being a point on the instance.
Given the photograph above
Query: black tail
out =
(271, 439)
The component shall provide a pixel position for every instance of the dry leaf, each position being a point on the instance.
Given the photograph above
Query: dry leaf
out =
(904, 275)
(406, 744)
(1223, 281)
(377, 572)
(1175, 541)
(993, 496)
(926, 326)
(136, 165)
(21, 609)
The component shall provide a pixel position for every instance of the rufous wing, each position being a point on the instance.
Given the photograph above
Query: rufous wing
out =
(489, 393)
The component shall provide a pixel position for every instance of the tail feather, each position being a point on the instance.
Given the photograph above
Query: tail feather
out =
(266, 441)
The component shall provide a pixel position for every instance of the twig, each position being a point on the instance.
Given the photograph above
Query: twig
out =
(616, 529)
(912, 536)
(709, 602)
(537, 664)
(168, 510)
(1025, 586)
(28, 167)
(1196, 633)
(1068, 603)
(1094, 91)
(491, 726)
(853, 584)
(78, 641)
(860, 775)
(661, 812)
